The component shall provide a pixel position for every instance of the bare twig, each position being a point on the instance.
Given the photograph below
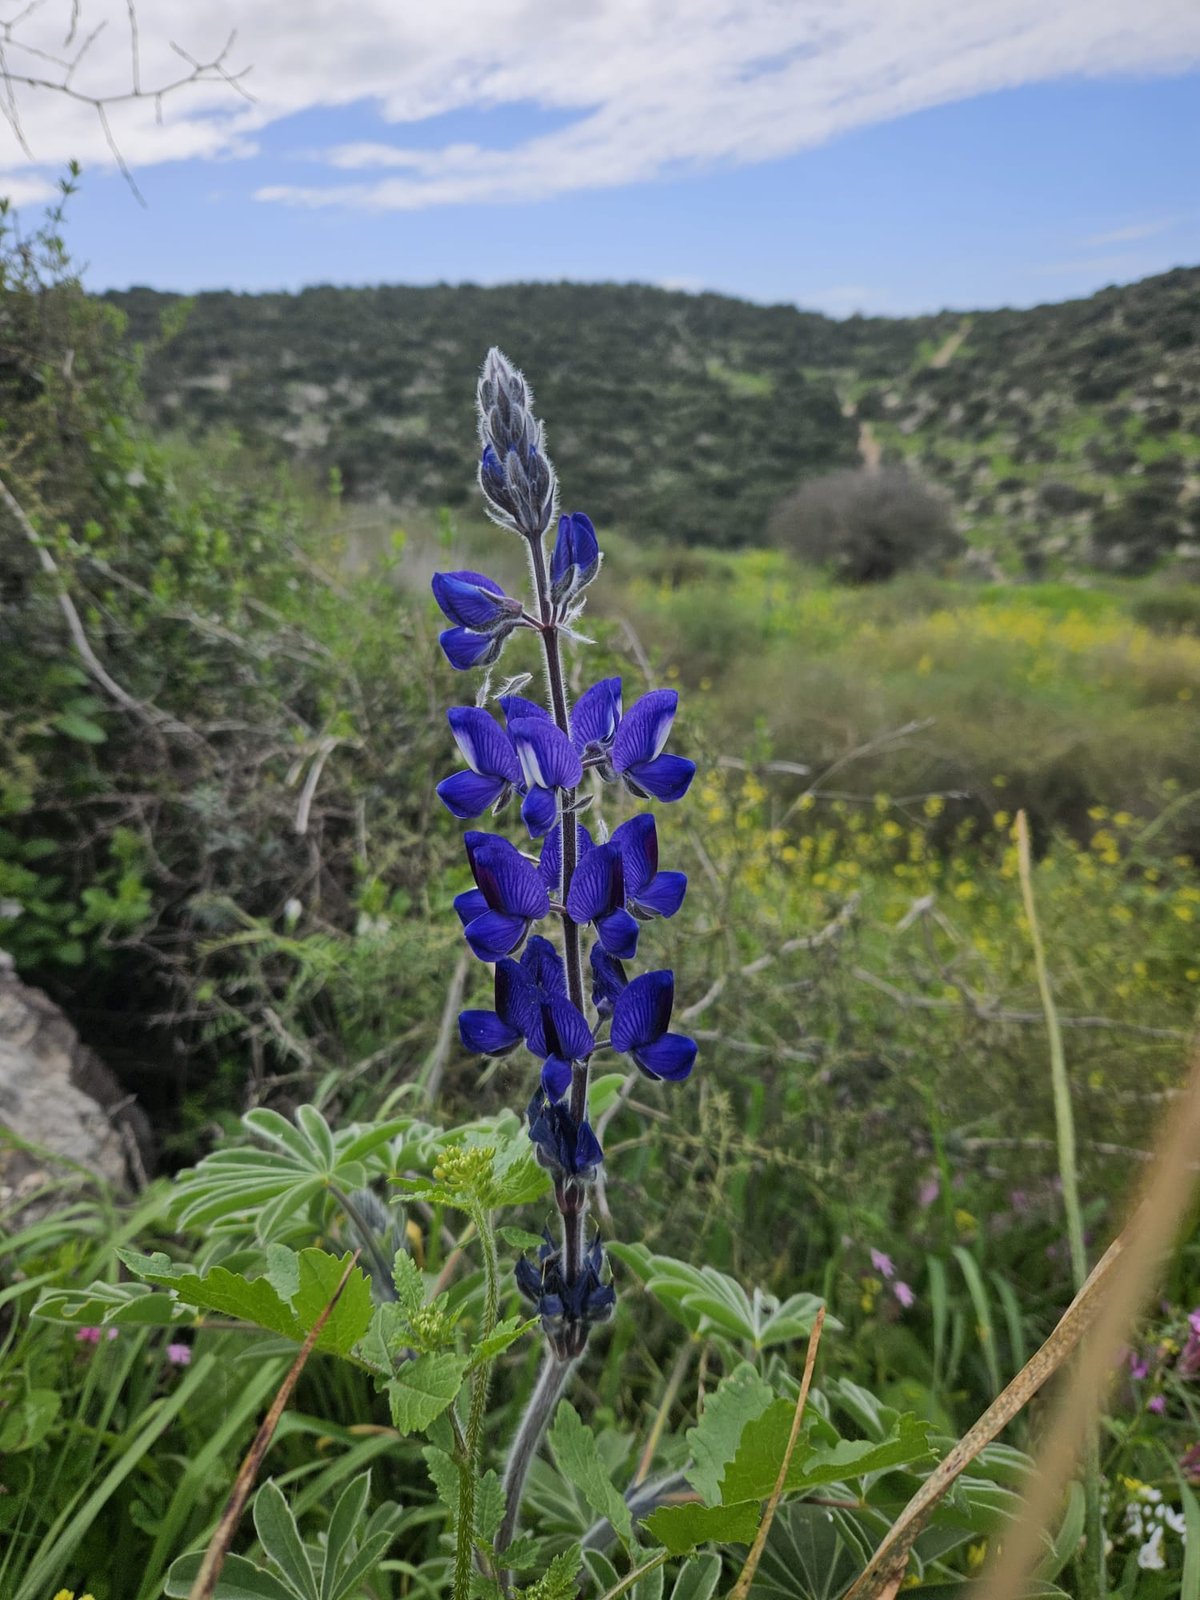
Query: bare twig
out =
(218, 1548)
(742, 1587)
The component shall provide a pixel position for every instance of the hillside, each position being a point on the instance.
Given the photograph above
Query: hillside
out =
(1065, 434)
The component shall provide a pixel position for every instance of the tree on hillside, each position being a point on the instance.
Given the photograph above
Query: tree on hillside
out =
(866, 526)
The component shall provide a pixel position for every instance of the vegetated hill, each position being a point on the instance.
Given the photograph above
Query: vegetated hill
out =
(1069, 433)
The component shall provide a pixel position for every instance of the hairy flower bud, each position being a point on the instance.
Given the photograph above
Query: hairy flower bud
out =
(515, 473)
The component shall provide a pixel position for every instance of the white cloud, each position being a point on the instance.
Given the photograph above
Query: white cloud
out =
(1136, 230)
(649, 86)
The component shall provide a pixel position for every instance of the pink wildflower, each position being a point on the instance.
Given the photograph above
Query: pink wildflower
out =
(179, 1355)
(93, 1335)
(1137, 1364)
(883, 1264)
(929, 1191)
(1157, 1403)
(904, 1294)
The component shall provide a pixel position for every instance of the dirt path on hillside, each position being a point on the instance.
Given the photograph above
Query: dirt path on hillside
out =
(945, 353)
(870, 451)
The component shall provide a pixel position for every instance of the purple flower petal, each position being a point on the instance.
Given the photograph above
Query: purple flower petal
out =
(473, 600)
(672, 1057)
(545, 753)
(465, 649)
(470, 794)
(598, 886)
(567, 1033)
(608, 980)
(619, 934)
(469, 905)
(539, 811)
(663, 896)
(485, 1034)
(642, 1012)
(556, 1076)
(637, 840)
(508, 881)
(645, 729)
(516, 705)
(597, 716)
(665, 778)
(495, 934)
(485, 746)
(542, 965)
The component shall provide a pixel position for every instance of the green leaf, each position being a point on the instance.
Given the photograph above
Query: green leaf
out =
(240, 1580)
(697, 1578)
(315, 1277)
(28, 1420)
(489, 1506)
(423, 1388)
(280, 1539)
(76, 726)
(110, 1304)
(502, 1335)
(739, 1398)
(444, 1476)
(560, 1581)
(410, 1287)
(347, 1517)
(754, 1470)
(521, 1238)
(578, 1460)
(682, 1528)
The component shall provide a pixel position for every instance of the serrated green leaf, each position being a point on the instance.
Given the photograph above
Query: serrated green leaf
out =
(489, 1506)
(682, 1528)
(560, 1580)
(444, 1476)
(281, 1541)
(423, 1388)
(240, 1580)
(258, 1300)
(502, 1335)
(754, 1470)
(410, 1287)
(578, 1459)
(739, 1398)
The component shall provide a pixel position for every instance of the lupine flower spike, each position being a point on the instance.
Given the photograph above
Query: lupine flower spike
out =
(610, 881)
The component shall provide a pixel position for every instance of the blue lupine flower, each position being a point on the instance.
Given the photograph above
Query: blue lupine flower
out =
(637, 751)
(595, 718)
(548, 762)
(566, 1149)
(550, 865)
(575, 559)
(523, 989)
(648, 892)
(473, 600)
(465, 649)
(495, 1033)
(597, 895)
(586, 1301)
(608, 980)
(515, 474)
(564, 1037)
(488, 752)
(510, 895)
(641, 1018)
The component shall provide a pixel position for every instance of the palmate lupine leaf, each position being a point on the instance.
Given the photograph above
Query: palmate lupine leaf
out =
(103, 1305)
(271, 1189)
(710, 1302)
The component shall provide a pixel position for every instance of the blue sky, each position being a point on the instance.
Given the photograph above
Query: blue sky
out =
(838, 169)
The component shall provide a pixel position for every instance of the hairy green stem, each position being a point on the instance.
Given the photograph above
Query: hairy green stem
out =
(549, 1386)
(366, 1233)
(470, 1453)
(1094, 1566)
